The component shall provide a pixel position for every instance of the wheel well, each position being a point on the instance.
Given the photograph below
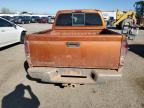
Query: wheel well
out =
(23, 33)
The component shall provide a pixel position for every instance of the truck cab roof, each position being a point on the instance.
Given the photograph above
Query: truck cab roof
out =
(78, 10)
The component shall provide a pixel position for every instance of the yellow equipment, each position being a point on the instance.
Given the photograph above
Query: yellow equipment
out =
(137, 16)
(122, 16)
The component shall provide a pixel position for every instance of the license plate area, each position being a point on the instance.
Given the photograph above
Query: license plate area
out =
(70, 73)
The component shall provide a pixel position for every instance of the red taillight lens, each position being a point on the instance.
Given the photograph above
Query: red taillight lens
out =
(27, 52)
(124, 49)
(26, 47)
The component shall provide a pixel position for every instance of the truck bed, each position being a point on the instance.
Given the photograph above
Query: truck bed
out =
(75, 32)
(75, 48)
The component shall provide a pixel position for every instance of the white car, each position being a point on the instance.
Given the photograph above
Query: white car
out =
(10, 33)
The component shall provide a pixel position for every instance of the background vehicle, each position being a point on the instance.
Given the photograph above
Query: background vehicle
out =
(10, 33)
(50, 19)
(139, 8)
(43, 20)
(137, 16)
(22, 19)
(35, 19)
(124, 17)
(8, 18)
(78, 49)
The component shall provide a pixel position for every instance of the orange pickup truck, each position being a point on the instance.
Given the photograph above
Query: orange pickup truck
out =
(78, 49)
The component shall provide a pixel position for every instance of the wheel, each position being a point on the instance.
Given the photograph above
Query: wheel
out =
(126, 21)
(23, 34)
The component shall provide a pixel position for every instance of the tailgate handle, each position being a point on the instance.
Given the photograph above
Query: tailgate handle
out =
(72, 44)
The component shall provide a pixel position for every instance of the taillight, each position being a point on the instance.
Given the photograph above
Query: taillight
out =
(27, 52)
(26, 47)
(124, 49)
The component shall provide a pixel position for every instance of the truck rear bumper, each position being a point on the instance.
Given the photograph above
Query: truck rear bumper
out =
(72, 75)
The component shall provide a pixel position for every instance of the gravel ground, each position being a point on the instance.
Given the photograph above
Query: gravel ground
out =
(17, 91)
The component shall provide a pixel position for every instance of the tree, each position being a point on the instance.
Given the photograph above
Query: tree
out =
(5, 11)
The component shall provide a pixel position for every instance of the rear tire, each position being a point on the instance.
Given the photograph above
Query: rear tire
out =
(23, 34)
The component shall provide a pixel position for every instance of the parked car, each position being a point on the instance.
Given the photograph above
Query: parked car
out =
(22, 19)
(78, 49)
(9, 18)
(43, 20)
(35, 19)
(50, 19)
(10, 33)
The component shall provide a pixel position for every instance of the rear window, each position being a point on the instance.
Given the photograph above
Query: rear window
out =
(64, 20)
(79, 19)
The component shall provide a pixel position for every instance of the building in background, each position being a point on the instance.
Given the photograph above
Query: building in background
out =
(109, 14)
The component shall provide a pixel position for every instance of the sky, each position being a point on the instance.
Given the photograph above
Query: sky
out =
(52, 6)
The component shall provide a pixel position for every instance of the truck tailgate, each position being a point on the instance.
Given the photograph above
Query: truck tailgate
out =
(83, 52)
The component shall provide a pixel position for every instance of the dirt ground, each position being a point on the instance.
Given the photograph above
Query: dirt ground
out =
(17, 91)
